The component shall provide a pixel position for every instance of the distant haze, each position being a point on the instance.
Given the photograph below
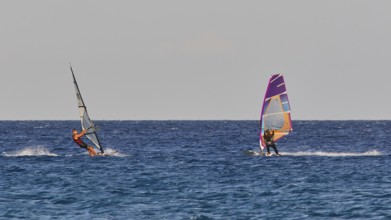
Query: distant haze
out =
(176, 59)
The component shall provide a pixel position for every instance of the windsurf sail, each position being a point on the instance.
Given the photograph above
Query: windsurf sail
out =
(276, 112)
(86, 122)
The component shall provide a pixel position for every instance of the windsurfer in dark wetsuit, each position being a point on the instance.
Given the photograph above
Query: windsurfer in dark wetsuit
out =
(268, 137)
(77, 139)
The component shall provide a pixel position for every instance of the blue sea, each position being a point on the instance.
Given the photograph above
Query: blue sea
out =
(195, 170)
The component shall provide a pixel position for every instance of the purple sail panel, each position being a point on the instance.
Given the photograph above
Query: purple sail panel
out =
(276, 86)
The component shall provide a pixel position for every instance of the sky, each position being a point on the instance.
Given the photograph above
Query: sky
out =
(194, 60)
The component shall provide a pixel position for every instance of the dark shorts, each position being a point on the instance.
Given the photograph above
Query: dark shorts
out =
(83, 145)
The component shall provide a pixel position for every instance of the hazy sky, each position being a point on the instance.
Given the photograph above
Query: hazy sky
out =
(205, 59)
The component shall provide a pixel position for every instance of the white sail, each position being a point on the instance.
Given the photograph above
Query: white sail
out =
(86, 122)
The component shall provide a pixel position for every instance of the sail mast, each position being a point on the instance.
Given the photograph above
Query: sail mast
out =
(86, 122)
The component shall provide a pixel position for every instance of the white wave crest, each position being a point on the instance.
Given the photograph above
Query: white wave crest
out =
(333, 154)
(30, 151)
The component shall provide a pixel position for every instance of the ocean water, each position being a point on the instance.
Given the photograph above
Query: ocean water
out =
(195, 170)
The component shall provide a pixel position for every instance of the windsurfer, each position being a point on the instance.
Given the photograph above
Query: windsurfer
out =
(268, 137)
(77, 139)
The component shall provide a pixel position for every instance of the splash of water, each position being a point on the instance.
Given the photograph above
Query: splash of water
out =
(30, 151)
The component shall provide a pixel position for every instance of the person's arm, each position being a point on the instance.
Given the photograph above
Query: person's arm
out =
(80, 134)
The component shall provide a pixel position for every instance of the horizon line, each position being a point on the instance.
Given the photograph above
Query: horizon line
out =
(192, 120)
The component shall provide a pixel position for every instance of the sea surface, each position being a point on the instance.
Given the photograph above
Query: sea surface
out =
(195, 170)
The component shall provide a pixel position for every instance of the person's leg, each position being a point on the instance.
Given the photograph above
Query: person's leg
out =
(91, 151)
(268, 149)
(275, 148)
